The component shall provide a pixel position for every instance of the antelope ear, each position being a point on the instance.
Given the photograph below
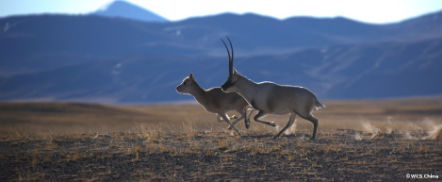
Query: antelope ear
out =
(234, 71)
(191, 75)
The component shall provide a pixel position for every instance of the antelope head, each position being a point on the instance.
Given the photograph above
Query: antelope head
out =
(229, 85)
(187, 86)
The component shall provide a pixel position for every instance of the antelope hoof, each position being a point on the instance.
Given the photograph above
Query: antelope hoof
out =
(312, 138)
(272, 124)
(276, 136)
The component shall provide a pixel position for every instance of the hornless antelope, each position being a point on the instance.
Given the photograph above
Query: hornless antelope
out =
(271, 98)
(216, 101)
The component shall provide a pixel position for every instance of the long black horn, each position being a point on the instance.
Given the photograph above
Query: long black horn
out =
(230, 58)
(231, 48)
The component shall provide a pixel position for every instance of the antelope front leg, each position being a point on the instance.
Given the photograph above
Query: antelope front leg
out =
(243, 115)
(224, 116)
(234, 122)
(257, 116)
(291, 121)
(247, 117)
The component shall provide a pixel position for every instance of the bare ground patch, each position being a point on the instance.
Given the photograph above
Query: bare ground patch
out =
(380, 141)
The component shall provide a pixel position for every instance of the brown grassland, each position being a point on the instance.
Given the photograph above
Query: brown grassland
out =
(367, 140)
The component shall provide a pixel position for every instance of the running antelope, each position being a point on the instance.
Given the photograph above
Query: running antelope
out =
(271, 98)
(216, 101)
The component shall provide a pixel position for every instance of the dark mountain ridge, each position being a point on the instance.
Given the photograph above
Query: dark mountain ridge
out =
(59, 57)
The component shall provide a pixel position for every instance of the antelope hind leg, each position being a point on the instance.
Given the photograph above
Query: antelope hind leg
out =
(312, 119)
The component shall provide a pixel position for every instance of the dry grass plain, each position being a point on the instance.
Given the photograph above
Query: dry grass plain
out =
(371, 140)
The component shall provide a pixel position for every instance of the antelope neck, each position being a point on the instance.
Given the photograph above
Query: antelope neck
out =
(246, 88)
(199, 93)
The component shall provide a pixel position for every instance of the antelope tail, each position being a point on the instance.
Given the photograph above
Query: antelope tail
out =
(319, 105)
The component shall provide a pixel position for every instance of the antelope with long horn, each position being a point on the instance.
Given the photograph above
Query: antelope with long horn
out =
(271, 98)
(216, 101)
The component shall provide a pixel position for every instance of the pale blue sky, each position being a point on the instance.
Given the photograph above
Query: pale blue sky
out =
(373, 11)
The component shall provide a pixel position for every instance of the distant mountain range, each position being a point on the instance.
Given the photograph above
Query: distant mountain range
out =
(124, 9)
(117, 60)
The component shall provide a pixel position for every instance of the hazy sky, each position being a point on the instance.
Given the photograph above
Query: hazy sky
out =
(375, 11)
